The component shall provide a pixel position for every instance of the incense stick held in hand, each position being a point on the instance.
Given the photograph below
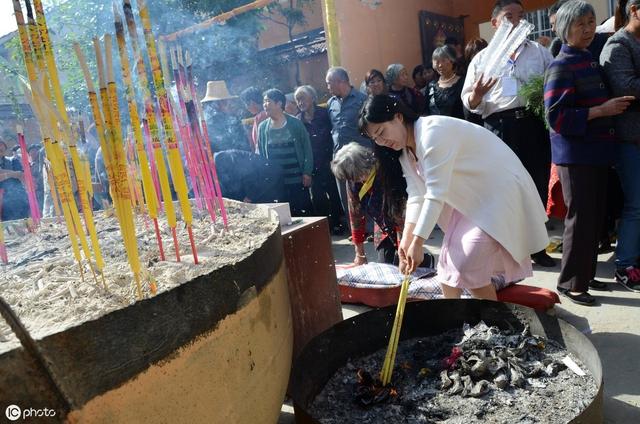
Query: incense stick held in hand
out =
(390, 357)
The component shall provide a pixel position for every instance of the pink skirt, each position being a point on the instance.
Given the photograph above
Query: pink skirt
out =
(470, 257)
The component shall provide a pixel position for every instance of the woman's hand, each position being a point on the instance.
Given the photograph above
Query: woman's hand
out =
(611, 107)
(307, 180)
(415, 255)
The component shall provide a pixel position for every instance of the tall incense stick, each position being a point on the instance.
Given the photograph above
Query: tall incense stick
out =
(175, 161)
(150, 114)
(147, 181)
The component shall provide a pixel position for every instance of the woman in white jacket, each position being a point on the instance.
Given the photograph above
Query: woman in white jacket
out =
(466, 179)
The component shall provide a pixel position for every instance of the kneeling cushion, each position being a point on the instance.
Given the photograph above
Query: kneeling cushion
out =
(378, 285)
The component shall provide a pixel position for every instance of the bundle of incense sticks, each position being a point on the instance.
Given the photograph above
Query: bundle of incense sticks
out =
(45, 95)
(151, 126)
(175, 161)
(390, 356)
(148, 186)
(30, 186)
(195, 142)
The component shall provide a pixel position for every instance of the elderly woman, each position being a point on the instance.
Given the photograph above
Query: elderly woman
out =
(375, 83)
(397, 78)
(491, 215)
(324, 191)
(365, 183)
(444, 95)
(582, 146)
(621, 61)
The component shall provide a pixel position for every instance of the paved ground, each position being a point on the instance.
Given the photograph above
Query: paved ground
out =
(613, 327)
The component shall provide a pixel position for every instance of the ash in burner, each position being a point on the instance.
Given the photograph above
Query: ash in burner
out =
(476, 374)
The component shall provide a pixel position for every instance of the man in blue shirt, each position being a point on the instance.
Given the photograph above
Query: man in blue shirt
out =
(344, 108)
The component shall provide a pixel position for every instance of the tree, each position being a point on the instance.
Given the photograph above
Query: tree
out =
(222, 47)
(293, 13)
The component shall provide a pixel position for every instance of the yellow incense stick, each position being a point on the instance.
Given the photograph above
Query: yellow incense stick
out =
(150, 114)
(390, 356)
(147, 181)
(175, 161)
(122, 189)
(24, 41)
(42, 47)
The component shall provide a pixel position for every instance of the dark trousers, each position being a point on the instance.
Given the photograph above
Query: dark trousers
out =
(584, 188)
(325, 197)
(529, 139)
(299, 200)
(615, 202)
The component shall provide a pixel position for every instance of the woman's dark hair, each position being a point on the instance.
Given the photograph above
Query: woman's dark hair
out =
(417, 70)
(377, 110)
(251, 94)
(276, 96)
(622, 12)
(394, 186)
(373, 73)
(474, 47)
(383, 108)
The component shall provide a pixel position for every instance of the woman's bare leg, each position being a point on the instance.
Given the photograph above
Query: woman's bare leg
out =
(486, 292)
(450, 292)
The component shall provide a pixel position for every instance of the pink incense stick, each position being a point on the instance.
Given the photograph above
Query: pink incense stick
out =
(34, 207)
(158, 238)
(175, 242)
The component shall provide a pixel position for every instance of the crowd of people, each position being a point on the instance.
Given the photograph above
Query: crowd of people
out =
(448, 144)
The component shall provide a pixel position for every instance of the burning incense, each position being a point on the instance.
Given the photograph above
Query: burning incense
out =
(30, 186)
(390, 357)
(49, 117)
(150, 194)
(43, 43)
(175, 161)
(24, 41)
(153, 124)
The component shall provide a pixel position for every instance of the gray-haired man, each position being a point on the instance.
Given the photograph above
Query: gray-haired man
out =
(344, 107)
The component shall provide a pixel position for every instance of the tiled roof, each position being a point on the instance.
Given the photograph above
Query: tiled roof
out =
(304, 45)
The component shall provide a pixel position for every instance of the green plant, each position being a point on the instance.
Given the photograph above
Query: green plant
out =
(533, 94)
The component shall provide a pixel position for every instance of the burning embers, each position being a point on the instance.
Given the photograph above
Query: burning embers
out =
(370, 391)
(480, 373)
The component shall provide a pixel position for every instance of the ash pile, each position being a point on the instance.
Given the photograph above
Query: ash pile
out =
(487, 359)
(476, 374)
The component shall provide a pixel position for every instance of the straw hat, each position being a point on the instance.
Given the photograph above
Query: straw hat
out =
(217, 90)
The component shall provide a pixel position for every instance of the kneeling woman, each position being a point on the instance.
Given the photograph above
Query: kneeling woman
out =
(358, 166)
(468, 181)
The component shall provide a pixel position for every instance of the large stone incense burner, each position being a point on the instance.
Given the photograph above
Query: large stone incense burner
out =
(465, 361)
(213, 345)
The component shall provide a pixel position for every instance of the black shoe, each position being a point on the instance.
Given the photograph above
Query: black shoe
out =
(541, 258)
(338, 230)
(605, 247)
(584, 298)
(599, 285)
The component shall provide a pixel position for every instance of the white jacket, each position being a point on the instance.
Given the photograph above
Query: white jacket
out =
(466, 167)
